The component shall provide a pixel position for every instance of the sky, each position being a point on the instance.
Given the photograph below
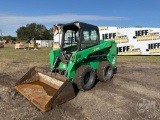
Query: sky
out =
(128, 13)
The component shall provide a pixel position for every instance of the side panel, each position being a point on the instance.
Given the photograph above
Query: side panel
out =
(103, 46)
(108, 48)
(73, 67)
(52, 56)
(112, 55)
(94, 64)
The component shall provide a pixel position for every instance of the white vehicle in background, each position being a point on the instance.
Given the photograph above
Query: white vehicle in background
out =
(1, 44)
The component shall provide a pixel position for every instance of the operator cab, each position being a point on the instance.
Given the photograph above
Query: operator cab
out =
(77, 36)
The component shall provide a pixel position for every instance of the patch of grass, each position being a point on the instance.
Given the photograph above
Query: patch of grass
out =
(144, 59)
(8, 53)
(11, 58)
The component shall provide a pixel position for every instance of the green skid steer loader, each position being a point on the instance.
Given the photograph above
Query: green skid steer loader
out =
(81, 58)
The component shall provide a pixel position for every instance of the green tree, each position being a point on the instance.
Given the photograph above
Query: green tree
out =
(51, 33)
(33, 31)
(8, 38)
(22, 33)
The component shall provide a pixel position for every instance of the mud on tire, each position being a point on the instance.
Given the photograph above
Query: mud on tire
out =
(85, 77)
(105, 71)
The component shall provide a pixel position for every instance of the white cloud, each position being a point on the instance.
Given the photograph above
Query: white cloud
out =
(10, 20)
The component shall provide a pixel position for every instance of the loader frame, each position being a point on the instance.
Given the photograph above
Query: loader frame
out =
(92, 55)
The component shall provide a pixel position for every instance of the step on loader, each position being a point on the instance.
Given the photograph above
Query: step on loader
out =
(81, 57)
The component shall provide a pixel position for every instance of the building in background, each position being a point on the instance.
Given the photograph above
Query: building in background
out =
(133, 41)
(44, 43)
(1, 44)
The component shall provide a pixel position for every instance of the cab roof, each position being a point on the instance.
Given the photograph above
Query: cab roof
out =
(78, 25)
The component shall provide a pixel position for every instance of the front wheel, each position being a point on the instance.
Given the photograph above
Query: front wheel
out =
(85, 77)
(105, 71)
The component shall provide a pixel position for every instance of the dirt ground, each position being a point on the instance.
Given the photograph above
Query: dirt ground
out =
(133, 93)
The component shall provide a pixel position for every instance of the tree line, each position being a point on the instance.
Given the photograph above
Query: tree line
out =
(34, 31)
(30, 32)
(8, 38)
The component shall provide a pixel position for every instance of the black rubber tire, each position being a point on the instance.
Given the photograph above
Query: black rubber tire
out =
(105, 71)
(85, 77)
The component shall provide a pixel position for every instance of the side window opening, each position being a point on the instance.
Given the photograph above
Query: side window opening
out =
(71, 38)
(89, 38)
(93, 35)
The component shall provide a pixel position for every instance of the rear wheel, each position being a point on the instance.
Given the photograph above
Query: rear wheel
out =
(105, 71)
(85, 77)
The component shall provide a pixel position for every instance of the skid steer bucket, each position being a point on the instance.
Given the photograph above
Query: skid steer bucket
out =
(45, 89)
